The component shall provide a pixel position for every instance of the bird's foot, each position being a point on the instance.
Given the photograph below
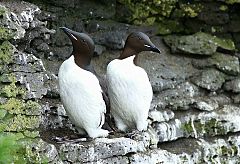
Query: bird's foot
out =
(133, 134)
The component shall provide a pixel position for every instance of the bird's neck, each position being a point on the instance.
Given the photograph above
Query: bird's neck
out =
(127, 52)
(81, 60)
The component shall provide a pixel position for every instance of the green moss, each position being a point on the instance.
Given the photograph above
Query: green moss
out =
(169, 26)
(6, 52)
(232, 1)
(10, 148)
(17, 106)
(198, 43)
(2, 113)
(148, 12)
(34, 151)
(227, 44)
(22, 122)
(6, 34)
(31, 134)
(187, 127)
(12, 90)
(191, 10)
(209, 127)
(8, 78)
(223, 7)
(2, 10)
(15, 148)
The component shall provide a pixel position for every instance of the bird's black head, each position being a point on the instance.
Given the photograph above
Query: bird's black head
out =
(137, 42)
(83, 46)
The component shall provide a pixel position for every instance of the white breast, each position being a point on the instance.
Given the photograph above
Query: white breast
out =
(81, 95)
(130, 91)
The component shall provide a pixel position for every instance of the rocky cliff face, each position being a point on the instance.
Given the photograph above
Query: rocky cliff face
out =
(195, 112)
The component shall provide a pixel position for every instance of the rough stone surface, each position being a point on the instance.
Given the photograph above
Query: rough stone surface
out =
(233, 85)
(199, 43)
(194, 115)
(224, 62)
(209, 79)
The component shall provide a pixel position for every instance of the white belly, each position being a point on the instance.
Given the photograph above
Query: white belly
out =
(81, 96)
(130, 91)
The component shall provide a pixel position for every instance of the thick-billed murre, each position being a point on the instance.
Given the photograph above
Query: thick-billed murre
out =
(80, 91)
(129, 88)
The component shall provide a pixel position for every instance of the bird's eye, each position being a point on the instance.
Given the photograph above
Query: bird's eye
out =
(83, 40)
(139, 38)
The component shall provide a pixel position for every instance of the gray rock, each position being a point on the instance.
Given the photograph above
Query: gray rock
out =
(233, 26)
(168, 131)
(214, 18)
(165, 70)
(222, 121)
(115, 160)
(210, 79)
(110, 39)
(99, 50)
(225, 63)
(178, 98)
(236, 98)
(100, 148)
(205, 104)
(233, 85)
(199, 43)
(161, 116)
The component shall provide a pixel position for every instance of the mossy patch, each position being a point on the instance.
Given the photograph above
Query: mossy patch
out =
(15, 148)
(142, 11)
(209, 127)
(10, 148)
(8, 78)
(6, 34)
(19, 106)
(2, 10)
(199, 43)
(12, 90)
(21, 123)
(191, 10)
(232, 1)
(166, 26)
(6, 52)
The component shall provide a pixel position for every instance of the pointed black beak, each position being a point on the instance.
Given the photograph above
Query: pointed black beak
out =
(155, 49)
(65, 29)
(70, 33)
(152, 48)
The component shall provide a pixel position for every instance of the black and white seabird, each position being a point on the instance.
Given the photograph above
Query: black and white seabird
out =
(129, 88)
(80, 91)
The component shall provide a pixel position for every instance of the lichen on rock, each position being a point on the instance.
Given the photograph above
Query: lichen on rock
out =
(199, 43)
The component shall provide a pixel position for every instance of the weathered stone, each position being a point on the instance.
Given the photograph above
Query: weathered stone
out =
(100, 148)
(99, 50)
(234, 26)
(199, 43)
(207, 105)
(161, 116)
(214, 18)
(236, 98)
(222, 121)
(209, 79)
(178, 98)
(225, 63)
(233, 85)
